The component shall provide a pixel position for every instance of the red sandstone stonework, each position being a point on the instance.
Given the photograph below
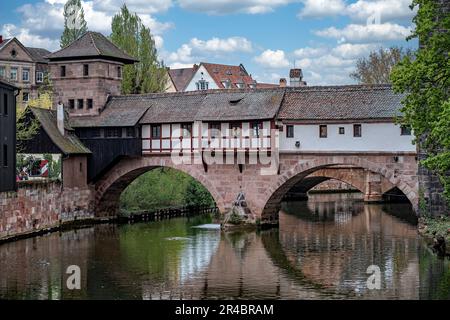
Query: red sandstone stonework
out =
(39, 206)
(263, 193)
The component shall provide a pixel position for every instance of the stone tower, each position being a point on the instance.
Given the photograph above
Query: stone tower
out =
(86, 73)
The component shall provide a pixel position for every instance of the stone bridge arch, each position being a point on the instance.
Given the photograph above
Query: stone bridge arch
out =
(109, 188)
(273, 196)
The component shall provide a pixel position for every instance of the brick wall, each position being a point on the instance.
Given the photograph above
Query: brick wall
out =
(38, 206)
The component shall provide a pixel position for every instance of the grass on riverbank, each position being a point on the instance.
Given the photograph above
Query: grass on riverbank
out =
(436, 226)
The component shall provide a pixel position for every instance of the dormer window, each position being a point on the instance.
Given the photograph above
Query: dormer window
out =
(202, 85)
(240, 85)
(226, 84)
(229, 72)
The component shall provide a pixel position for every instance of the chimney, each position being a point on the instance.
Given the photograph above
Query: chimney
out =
(1, 38)
(283, 83)
(60, 117)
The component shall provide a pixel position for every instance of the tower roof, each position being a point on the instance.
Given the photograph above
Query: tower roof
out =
(92, 45)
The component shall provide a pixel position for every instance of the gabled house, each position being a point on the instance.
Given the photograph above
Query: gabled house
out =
(210, 76)
(24, 67)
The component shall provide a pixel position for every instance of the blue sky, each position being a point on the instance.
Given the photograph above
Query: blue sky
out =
(323, 37)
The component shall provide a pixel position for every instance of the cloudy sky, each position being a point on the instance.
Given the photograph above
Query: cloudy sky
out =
(323, 37)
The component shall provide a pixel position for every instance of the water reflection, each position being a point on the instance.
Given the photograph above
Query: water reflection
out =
(321, 251)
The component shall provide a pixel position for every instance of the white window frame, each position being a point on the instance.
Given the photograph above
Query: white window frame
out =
(11, 72)
(26, 72)
(39, 77)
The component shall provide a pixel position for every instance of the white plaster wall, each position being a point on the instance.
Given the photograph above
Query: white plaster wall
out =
(198, 76)
(375, 137)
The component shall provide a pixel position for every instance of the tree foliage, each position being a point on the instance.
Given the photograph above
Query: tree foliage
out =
(74, 23)
(45, 94)
(426, 81)
(164, 188)
(377, 67)
(26, 128)
(131, 35)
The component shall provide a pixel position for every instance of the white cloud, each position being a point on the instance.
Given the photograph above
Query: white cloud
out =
(351, 51)
(139, 6)
(309, 52)
(386, 9)
(232, 6)
(273, 59)
(360, 10)
(321, 8)
(364, 33)
(27, 38)
(196, 50)
(233, 44)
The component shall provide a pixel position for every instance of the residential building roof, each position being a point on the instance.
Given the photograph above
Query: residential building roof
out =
(90, 45)
(119, 112)
(234, 74)
(38, 54)
(181, 77)
(69, 143)
(341, 103)
(261, 85)
(303, 103)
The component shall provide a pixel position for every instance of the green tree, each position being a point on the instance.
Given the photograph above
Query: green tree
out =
(74, 23)
(197, 195)
(426, 81)
(377, 67)
(149, 74)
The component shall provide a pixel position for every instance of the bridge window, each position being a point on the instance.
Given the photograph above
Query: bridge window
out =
(405, 130)
(186, 130)
(289, 131)
(80, 103)
(235, 129)
(214, 129)
(71, 103)
(341, 130)
(323, 131)
(156, 131)
(256, 128)
(113, 133)
(357, 131)
(131, 132)
(90, 103)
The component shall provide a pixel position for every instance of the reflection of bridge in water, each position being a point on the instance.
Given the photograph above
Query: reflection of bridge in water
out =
(320, 251)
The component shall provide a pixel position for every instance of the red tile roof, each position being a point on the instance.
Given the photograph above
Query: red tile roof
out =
(235, 74)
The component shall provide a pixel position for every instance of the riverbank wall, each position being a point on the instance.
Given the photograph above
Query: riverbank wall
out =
(42, 206)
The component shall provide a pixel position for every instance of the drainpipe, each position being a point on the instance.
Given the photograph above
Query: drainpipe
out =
(60, 117)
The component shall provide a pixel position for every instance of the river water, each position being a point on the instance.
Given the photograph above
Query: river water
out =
(321, 250)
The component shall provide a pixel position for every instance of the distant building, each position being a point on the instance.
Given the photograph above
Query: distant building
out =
(24, 67)
(296, 78)
(7, 137)
(209, 76)
(87, 72)
(180, 78)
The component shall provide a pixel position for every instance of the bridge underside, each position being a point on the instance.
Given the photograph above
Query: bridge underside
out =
(265, 186)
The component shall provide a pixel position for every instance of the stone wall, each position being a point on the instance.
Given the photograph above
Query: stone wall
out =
(38, 206)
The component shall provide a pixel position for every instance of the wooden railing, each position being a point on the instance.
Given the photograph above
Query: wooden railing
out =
(167, 213)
